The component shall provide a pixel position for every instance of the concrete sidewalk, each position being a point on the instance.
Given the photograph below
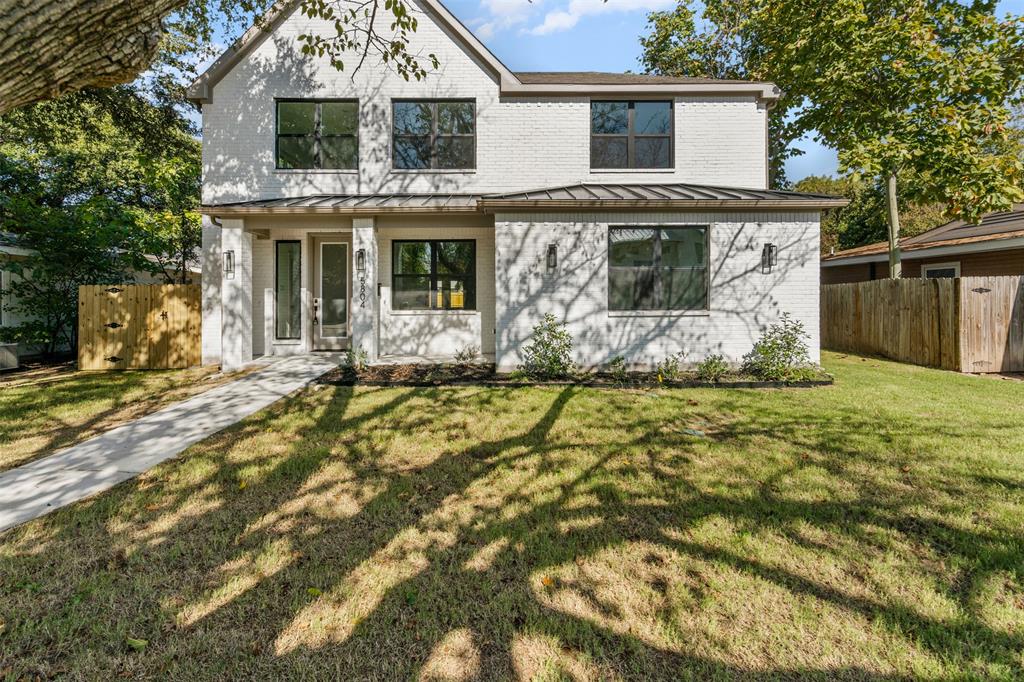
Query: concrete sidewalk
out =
(126, 451)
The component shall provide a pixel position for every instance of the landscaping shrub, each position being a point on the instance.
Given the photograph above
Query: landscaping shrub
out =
(668, 369)
(617, 370)
(781, 352)
(355, 359)
(712, 368)
(467, 355)
(549, 354)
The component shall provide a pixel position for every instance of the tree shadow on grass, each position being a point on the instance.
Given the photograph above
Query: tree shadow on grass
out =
(348, 555)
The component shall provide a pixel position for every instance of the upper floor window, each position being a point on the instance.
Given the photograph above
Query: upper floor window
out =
(434, 134)
(630, 134)
(657, 268)
(318, 134)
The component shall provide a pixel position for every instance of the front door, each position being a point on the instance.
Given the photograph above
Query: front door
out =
(330, 307)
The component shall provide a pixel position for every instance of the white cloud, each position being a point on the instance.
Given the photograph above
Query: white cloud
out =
(503, 14)
(565, 19)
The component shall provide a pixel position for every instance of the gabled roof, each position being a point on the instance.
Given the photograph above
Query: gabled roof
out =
(583, 196)
(519, 84)
(993, 228)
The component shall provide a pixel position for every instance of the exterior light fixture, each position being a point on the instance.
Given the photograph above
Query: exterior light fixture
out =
(769, 257)
(552, 256)
(229, 264)
(361, 260)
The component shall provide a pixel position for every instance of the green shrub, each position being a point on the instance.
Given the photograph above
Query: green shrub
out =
(617, 369)
(669, 368)
(467, 355)
(781, 352)
(712, 368)
(549, 355)
(354, 358)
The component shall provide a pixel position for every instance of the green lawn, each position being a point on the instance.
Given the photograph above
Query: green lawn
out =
(42, 412)
(873, 529)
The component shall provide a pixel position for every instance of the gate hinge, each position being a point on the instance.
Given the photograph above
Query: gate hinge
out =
(113, 325)
(113, 358)
(113, 290)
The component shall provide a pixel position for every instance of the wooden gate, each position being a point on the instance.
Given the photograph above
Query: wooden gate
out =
(139, 326)
(992, 324)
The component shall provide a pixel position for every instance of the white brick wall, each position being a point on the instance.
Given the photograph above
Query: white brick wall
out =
(213, 273)
(522, 143)
(743, 301)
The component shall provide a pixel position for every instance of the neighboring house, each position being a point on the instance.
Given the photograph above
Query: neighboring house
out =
(415, 219)
(957, 249)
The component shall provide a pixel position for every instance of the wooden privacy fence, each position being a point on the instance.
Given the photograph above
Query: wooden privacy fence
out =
(969, 324)
(139, 326)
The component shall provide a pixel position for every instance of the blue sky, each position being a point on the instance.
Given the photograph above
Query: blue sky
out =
(592, 35)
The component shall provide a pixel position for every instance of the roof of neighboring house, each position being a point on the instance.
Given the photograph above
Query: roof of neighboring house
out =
(9, 245)
(520, 84)
(580, 196)
(993, 228)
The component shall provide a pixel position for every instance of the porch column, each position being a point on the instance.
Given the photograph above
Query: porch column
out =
(365, 315)
(236, 296)
(213, 273)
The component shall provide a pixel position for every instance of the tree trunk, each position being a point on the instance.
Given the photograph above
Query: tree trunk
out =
(49, 47)
(892, 204)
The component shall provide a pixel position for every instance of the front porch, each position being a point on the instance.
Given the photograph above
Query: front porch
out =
(398, 289)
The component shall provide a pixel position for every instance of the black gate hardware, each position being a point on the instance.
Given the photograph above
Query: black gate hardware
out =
(981, 290)
(163, 315)
(113, 358)
(113, 325)
(113, 290)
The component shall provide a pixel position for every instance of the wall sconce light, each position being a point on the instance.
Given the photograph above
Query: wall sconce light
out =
(769, 258)
(552, 256)
(229, 264)
(361, 260)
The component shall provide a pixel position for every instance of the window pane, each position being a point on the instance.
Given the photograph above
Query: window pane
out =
(296, 117)
(454, 118)
(653, 152)
(412, 152)
(411, 292)
(684, 289)
(412, 258)
(295, 152)
(609, 118)
(682, 247)
(608, 152)
(940, 273)
(455, 152)
(631, 246)
(455, 258)
(338, 151)
(339, 118)
(334, 284)
(456, 293)
(652, 118)
(288, 287)
(631, 289)
(412, 118)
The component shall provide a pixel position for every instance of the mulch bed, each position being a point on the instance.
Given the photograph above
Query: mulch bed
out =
(425, 375)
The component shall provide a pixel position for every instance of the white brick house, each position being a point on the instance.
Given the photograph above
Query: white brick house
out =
(415, 219)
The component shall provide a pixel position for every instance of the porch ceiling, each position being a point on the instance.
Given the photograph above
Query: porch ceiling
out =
(580, 196)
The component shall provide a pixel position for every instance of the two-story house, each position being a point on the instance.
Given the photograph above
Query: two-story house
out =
(416, 219)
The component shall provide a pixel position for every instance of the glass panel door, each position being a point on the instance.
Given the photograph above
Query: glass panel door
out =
(333, 290)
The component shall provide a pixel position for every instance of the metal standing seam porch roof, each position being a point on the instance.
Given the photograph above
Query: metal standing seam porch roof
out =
(610, 196)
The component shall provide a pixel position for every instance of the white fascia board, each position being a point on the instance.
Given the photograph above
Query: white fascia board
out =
(917, 254)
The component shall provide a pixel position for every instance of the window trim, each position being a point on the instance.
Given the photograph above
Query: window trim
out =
(317, 135)
(277, 272)
(656, 267)
(432, 276)
(925, 267)
(433, 136)
(631, 137)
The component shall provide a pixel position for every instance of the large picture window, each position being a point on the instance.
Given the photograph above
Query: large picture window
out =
(630, 134)
(434, 134)
(657, 268)
(433, 275)
(320, 135)
(288, 287)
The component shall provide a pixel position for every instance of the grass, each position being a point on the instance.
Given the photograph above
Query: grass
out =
(45, 411)
(869, 530)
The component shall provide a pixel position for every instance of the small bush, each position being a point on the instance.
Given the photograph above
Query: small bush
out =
(669, 368)
(712, 368)
(549, 355)
(355, 359)
(467, 355)
(781, 352)
(617, 370)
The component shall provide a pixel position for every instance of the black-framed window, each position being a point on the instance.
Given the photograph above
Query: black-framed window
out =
(288, 290)
(433, 134)
(433, 274)
(317, 134)
(659, 267)
(631, 134)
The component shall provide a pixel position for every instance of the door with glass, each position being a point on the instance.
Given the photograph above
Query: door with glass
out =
(330, 306)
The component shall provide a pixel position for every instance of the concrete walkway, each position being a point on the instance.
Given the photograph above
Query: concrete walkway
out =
(126, 451)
